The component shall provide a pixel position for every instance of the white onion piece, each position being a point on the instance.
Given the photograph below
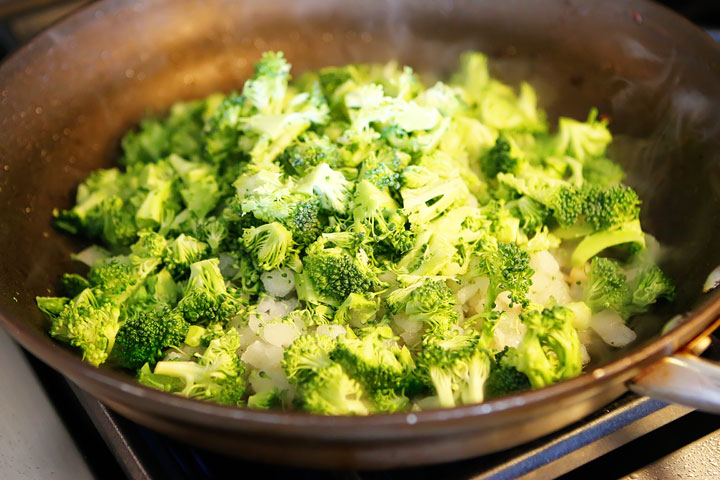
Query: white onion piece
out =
(278, 283)
(612, 329)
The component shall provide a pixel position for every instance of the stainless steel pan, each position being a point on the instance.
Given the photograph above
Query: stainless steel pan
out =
(67, 97)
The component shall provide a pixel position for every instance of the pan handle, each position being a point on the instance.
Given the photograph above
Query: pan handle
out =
(683, 378)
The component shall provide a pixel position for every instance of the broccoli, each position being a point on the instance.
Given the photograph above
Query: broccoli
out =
(269, 244)
(388, 401)
(508, 269)
(218, 374)
(533, 215)
(328, 185)
(457, 370)
(651, 285)
(373, 362)
(309, 151)
(550, 349)
(357, 310)
(608, 287)
(375, 213)
(306, 356)
(500, 159)
(333, 274)
(212, 231)
(305, 221)
(422, 299)
(206, 299)
(182, 252)
(143, 337)
(86, 323)
(267, 400)
(370, 236)
(332, 392)
(505, 379)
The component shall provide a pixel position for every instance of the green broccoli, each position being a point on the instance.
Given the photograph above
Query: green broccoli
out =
(374, 362)
(143, 337)
(550, 349)
(206, 299)
(306, 356)
(504, 379)
(508, 269)
(457, 370)
(218, 374)
(270, 245)
(333, 274)
(332, 392)
(88, 324)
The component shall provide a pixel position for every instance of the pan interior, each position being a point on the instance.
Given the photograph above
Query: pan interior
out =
(67, 99)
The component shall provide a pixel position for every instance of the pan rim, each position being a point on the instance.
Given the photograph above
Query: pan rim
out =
(238, 418)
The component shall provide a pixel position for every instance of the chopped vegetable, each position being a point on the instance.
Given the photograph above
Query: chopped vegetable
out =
(354, 242)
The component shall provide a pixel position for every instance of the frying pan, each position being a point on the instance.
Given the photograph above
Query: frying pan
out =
(67, 97)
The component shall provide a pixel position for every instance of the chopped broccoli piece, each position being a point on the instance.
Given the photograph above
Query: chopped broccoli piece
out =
(269, 244)
(550, 349)
(332, 392)
(142, 338)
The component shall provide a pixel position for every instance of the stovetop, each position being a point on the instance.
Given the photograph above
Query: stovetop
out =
(632, 438)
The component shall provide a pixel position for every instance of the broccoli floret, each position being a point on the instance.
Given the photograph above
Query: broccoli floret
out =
(268, 400)
(269, 244)
(308, 152)
(150, 245)
(332, 392)
(532, 214)
(331, 274)
(457, 370)
(508, 269)
(212, 231)
(375, 213)
(87, 324)
(206, 298)
(602, 171)
(328, 185)
(52, 306)
(607, 286)
(266, 90)
(72, 284)
(424, 204)
(651, 285)
(500, 159)
(422, 299)
(199, 191)
(583, 140)
(375, 362)
(606, 208)
(388, 401)
(357, 310)
(143, 337)
(505, 379)
(218, 375)
(306, 356)
(182, 252)
(550, 349)
(156, 205)
(305, 221)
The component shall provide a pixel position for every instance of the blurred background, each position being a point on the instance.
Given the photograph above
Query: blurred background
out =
(21, 19)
